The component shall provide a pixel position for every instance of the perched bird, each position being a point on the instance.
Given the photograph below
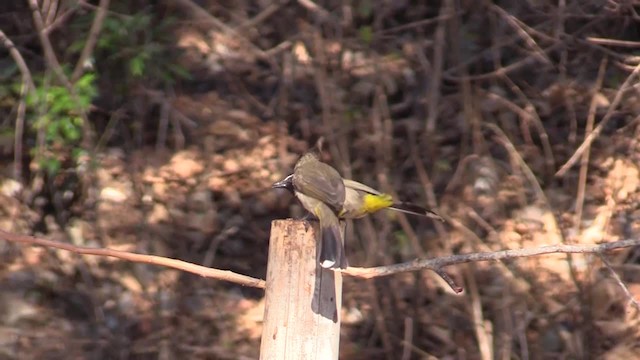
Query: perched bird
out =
(329, 197)
(321, 191)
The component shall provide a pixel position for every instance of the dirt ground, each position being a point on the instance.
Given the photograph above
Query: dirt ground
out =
(470, 108)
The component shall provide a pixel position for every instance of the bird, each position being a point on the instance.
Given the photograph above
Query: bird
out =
(321, 191)
(329, 197)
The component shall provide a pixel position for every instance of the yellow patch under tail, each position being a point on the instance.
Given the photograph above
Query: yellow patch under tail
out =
(373, 203)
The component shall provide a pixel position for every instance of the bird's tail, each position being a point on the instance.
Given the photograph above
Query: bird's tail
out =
(332, 254)
(413, 209)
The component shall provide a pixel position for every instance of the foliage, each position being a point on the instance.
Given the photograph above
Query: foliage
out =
(134, 46)
(129, 49)
(56, 113)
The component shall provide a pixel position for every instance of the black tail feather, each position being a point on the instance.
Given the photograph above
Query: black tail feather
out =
(413, 209)
(332, 253)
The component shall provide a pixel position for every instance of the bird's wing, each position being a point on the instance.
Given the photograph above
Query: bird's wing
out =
(360, 187)
(316, 184)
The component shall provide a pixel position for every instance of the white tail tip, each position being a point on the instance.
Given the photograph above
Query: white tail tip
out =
(327, 264)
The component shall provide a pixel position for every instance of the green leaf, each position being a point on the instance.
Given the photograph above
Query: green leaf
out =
(59, 107)
(77, 46)
(41, 122)
(77, 153)
(85, 83)
(180, 71)
(402, 241)
(51, 130)
(50, 165)
(68, 130)
(366, 34)
(442, 165)
(136, 66)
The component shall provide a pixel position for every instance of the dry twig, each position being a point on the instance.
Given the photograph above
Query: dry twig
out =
(19, 60)
(139, 258)
(622, 285)
(47, 47)
(483, 329)
(92, 39)
(199, 13)
(29, 86)
(626, 86)
(528, 40)
(437, 264)
(445, 12)
(584, 162)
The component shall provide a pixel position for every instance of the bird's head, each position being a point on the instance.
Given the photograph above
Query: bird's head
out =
(286, 183)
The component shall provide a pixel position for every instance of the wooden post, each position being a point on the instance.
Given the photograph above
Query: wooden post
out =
(303, 300)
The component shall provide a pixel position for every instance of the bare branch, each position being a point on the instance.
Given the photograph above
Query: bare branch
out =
(29, 86)
(622, 285)
(584, 161)
(201, 14)
(436, 264)
(92, 39)
(17, 57)
(139, 258)
(315, 8)
(626, 86)
(49, 53)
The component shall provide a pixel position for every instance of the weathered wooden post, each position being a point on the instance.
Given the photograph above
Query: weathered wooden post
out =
(303, 300)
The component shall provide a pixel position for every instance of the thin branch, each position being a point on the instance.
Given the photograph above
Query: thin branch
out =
(427, 185)
(534, 119)
(49, 53)
(613, 42)
(92, 39)
(449, 74)
(318, 10)
(50, 10)
(201, 14)
(19, 60)
(262, 16)
(616, 277)
(531, 43)
(60, 19)
(584, 162)
(417, 24)
(436, 264)
(139, 258)
(407, 341)
(626, 86)
(483, 330)
(503, 71)
(439, 44)
(511, 149)
(28, 86)
(19, 132)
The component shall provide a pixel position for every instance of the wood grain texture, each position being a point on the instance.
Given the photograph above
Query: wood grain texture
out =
(303, 300)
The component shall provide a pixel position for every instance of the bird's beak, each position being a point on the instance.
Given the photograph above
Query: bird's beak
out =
(280, 184)
(286, 183)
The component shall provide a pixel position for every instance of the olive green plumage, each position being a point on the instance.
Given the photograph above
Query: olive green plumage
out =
(321, 191)
(325, 194)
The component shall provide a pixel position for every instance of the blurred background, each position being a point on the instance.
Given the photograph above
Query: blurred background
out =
(158, 127)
